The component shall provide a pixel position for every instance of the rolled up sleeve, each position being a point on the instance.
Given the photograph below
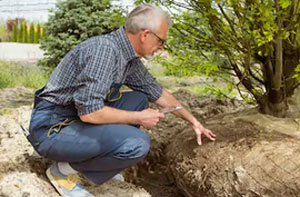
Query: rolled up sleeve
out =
(94, 80)
(139, 79)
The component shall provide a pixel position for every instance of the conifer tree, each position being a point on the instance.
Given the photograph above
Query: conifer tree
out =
(25, 35)
(74, 21)
(20, 31)
(37, 34)
(31, 33)
(14, 35)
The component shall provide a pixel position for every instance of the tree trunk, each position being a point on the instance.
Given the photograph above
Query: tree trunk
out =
(274, 103)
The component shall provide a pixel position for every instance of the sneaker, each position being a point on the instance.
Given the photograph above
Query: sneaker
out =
(66, 185)
(118, 177)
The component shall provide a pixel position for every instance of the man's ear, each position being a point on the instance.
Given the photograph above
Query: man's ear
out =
(144, 34)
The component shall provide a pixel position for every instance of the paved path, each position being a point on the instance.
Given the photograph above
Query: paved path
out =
(20, 52)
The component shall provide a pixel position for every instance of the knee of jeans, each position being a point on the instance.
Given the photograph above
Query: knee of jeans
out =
(134, 148)
(144, 102)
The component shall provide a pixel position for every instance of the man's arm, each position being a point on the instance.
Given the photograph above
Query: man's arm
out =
(108, 115)
(167, 100)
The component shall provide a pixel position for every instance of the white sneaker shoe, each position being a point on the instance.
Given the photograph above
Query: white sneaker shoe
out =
(66, 185)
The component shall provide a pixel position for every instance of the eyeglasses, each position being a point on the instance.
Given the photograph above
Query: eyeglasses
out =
(161, 41)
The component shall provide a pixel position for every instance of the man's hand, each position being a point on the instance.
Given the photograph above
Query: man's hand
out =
(199, 130)
(149, 117)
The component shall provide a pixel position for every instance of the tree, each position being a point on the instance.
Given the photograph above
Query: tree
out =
(24, 33)
(259, 39)
(37, 35)
(14, 35)
(31, 33)
(20, 33)
(74, 21)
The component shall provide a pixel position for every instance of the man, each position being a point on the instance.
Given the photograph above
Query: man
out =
(81, 119)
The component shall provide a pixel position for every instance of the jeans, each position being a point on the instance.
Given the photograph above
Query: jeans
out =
(97, 151)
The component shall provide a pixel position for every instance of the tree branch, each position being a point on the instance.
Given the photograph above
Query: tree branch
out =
(227, 19)
(255, 77)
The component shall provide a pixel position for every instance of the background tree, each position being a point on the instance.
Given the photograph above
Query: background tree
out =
(259, 40)
(20, 33)
(14, 34)
(31, 33)
(74, 21)
(25, 33)
(37, 35)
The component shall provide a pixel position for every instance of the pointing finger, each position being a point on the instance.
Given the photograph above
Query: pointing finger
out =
(199, 139)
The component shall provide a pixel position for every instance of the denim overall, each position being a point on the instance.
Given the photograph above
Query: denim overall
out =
(97, 151)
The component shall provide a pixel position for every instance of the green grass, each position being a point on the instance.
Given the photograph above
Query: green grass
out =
(13, 75)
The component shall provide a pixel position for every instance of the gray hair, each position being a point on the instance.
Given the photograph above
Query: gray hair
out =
(146, 16)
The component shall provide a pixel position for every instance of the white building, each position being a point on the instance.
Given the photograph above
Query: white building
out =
(37, 10)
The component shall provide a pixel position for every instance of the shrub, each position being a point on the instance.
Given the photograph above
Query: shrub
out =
(20, 33)
(74, 21)
(31, 33)
(14, 34)
(25, 33)
(37, 34)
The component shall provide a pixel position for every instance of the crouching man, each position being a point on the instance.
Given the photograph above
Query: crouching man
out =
(84, 123)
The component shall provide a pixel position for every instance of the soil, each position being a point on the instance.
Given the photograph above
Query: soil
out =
(154, 173)
(254, 154)
(246, 160)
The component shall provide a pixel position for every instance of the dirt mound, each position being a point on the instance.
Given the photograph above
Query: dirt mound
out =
(254, 155)
(153, 173)
(202, 108)
(247, 159)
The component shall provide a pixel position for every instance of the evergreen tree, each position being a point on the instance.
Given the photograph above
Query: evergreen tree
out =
(31, 33)
(37, 34)
(20, 32)
(14, 35)
(25, 35)
(74, 21)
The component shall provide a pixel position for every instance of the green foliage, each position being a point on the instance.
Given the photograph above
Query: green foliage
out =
(31, 33)
(42, 32)
(20, 33)
(297, 75)
(74, 21)
(220, 93)
(14, 35)
(189, 64)
(24, 33)
(259, 41)
(13, 75)
(37, 35)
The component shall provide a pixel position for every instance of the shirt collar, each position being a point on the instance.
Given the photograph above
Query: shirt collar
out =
(125, 45)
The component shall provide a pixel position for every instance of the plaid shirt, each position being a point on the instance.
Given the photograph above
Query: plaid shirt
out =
(86, 74)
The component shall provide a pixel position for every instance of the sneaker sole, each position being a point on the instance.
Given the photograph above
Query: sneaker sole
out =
(54, 184)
